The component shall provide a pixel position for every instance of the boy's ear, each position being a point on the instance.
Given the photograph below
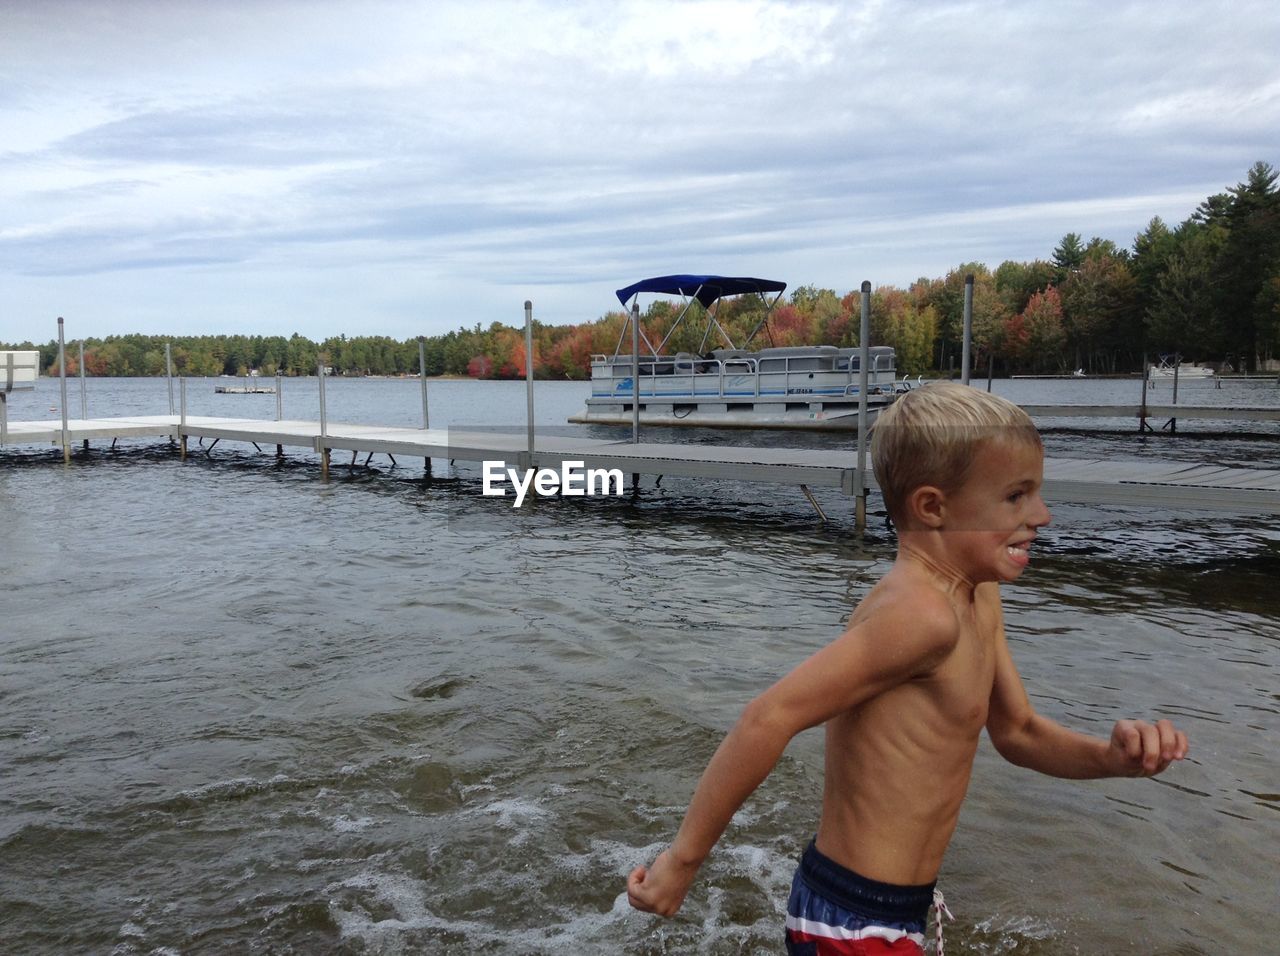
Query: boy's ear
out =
(927, 506)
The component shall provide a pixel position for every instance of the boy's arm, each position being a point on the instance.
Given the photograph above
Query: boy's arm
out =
(883, 650)
(1023, 737)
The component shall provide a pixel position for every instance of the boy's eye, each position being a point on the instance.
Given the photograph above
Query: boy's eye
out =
(1016, 496)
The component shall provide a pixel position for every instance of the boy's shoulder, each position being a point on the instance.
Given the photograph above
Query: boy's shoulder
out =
(912, 609)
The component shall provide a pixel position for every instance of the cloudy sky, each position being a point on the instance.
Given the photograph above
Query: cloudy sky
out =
(407, 168)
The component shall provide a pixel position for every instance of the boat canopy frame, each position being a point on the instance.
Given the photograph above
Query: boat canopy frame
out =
(707, 291)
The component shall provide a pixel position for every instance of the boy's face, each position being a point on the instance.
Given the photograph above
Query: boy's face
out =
(993, 517)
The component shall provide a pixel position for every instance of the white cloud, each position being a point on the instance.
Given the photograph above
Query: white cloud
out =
(286, 165)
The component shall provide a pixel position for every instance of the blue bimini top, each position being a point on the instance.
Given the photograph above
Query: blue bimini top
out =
(706, 289)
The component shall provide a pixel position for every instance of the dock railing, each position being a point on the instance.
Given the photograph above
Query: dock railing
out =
(630, 379)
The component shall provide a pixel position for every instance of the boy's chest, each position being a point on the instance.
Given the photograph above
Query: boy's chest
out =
(965, 680)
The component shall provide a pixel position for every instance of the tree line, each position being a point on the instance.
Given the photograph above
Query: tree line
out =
(1207, 288)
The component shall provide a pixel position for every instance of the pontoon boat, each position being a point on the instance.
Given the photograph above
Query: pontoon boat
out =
(1185, 370)
(811, 386)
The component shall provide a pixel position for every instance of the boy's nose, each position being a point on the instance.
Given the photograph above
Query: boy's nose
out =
(1040, 515)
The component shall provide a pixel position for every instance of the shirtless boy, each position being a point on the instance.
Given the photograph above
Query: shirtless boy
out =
(905, 691)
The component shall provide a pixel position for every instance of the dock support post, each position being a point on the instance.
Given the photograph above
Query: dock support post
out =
(814, 501)
(324, 424)
(84, 400)
(182, 419)
(426, 420)
(528, 378)
(168, 372)
(635, 370)
(422, 374)
(279, 397)
(1142, 409)
(967, 343)
(62, 376)
(864, 358)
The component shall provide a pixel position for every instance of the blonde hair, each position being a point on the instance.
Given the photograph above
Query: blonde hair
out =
(931, 435)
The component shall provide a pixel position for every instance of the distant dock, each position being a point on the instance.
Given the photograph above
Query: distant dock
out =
(251, 386)
(1234, 413)
(1174, 486)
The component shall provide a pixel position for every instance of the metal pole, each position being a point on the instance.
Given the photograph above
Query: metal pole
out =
(182, 419)
(422, 372)
(968, 329)
(84, 400)
(635, 372)
(4, 397)
(279, 408)
(991, 369)
(864, 358)
(62, 375)
(324, 428)
(168, 373)
(528, 375)
(324, 417)
(1142, 411)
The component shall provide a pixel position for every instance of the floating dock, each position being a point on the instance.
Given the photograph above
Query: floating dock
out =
(1156, 484)
(1233, 413)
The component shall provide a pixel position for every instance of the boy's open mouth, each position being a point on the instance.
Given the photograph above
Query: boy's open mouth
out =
(1020, 550)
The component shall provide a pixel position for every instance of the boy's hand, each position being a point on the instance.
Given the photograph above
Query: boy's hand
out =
(1140, 749)
(662, 887)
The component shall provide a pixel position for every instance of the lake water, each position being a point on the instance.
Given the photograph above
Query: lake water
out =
(246, 710)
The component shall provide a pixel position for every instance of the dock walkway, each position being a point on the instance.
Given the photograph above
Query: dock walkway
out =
(1169, 485)
(1233, 413)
